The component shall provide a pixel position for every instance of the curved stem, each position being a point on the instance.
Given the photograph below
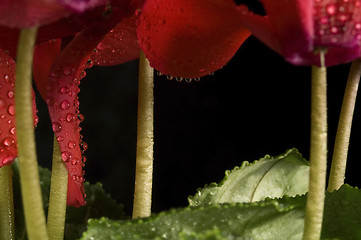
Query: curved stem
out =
(144, 161)
(318, 155)
(58, 196)
(339, 159)
(29, 176)
(6, 204)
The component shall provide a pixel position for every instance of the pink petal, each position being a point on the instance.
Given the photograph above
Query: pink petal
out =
(63, 104)
(188, 38)
(8, 140)
(81, 6)
(29, 13)
(119, 45)
(288, 27)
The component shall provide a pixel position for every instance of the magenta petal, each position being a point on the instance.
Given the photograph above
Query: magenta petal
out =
(29, 13)
(63, 103)
(187, 38)
(8, 140)
(119, 45)
(81, 6)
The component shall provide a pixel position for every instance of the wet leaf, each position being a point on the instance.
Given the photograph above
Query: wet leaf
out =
(272, 177)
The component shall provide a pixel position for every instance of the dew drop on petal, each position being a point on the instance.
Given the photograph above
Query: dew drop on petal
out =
(12, 130)
(60, 138)
(71, 144)
(65, 105)
(56, 127)
(66, 156)
(11, 109)
(8, 142)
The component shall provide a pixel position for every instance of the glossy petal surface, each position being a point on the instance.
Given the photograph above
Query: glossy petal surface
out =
(8, 140)
(29, 13)
(119, 45)
(63, 103)
(188, 38)
(81, 6)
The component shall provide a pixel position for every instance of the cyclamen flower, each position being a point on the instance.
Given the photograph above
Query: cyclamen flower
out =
(296, 29)
(190, 39)
(112, 39)
(57, 73)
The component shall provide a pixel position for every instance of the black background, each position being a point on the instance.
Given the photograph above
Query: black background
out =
(256, 105)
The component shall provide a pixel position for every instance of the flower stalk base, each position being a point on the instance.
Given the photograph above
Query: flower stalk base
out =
(28, 165)
(6, 204)
(318, 155)
(145, 142)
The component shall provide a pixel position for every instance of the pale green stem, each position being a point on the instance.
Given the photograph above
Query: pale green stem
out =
(58, 196)
(6, 204)
(144, 158)
(339, 159)
(28, 165)
(318, 155)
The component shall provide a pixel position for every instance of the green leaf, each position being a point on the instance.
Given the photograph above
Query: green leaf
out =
(99, 204)
(272, 177)
(342, 217)
(270, 219)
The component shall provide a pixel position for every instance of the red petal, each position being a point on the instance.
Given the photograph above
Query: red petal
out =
(119, 45)
(63, 104)
(8, 140)
(189, 38)
(28, 13)
(44, 56)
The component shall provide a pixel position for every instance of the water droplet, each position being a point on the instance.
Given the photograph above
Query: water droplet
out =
(12, 131)
(71, 144)
(10, 94)
(60, 138)
(331, 9)
(81, 117)
(8, 142)
(67, 70)
(89, 64)
(56, 127)
(85, 146)
(66, 156)
(74, 161)
(11, 109)
(70, 117)
(8, 160)
(64, 90)
(65, 105)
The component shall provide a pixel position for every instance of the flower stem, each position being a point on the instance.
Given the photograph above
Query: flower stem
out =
(144, 159)
(29, 175)
(339, 159)
(58, 196)
(6, 204)
(318, 155)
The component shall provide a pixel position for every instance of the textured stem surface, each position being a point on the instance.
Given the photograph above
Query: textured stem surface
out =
(144, 159)
(339, 159)
(6, 204)
(58, 194)
(318, 155)
(28, 165)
